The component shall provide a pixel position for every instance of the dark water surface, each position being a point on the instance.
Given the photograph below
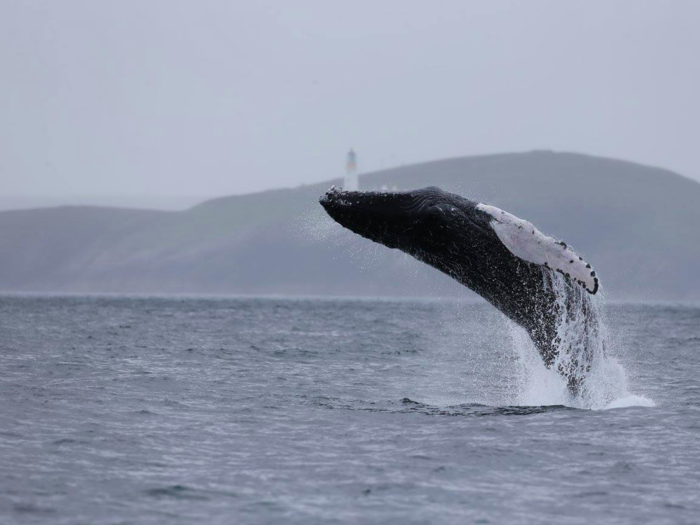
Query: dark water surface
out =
(134, 410)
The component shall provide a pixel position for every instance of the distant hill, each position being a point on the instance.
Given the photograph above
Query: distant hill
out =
(162, 202)
(638, 225)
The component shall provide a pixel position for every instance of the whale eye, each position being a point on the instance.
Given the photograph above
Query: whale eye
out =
(436, 210)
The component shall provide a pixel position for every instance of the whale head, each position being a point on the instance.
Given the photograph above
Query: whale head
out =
(434, 226)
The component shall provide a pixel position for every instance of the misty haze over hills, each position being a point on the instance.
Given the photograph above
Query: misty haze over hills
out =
(158, 202)
(637, 225)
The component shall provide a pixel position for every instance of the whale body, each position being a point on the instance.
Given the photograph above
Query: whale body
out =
(538, 282)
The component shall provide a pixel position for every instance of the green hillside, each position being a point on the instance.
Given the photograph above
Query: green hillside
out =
(639, 226)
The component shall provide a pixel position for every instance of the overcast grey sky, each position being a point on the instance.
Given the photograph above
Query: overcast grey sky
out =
(200, 98)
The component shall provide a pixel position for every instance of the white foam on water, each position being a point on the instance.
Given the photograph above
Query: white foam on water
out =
(631, 401)
(536, 385)
(582, 340)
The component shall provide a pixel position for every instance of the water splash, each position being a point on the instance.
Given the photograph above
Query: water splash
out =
(315, 226)
(584, 354)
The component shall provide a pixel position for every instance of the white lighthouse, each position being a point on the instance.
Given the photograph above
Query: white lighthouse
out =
(351, 172)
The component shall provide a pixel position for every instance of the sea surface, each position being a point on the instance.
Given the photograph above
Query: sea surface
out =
(117, 410)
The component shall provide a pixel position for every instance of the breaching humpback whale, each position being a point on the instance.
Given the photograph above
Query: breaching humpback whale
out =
(536, 281)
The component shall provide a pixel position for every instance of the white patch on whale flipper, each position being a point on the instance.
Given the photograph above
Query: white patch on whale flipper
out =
(529, 244)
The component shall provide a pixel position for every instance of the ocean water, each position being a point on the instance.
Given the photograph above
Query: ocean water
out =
(117, 410)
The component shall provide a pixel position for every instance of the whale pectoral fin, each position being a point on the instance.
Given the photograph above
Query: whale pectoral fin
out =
(526, 242)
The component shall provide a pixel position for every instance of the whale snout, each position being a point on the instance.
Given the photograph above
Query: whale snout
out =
(337, 198)
(345, 207)
(384, 217)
